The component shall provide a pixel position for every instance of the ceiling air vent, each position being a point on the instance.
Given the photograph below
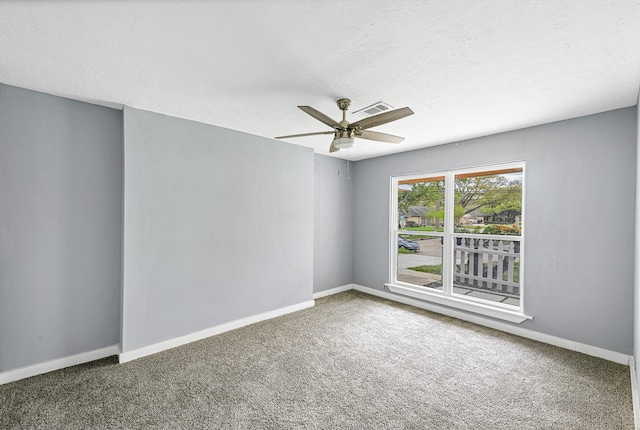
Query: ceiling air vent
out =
(374, 109)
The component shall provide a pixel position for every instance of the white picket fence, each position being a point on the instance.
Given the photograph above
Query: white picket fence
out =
(487, 264)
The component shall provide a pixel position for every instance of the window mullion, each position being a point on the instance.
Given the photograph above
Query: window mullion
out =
(447, 251)
(393, 220)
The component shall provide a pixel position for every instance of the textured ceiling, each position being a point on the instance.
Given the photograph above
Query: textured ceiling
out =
(467, 68)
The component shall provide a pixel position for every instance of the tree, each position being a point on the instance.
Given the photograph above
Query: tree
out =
(428, 194)
(505, 201)
(493, 194)
(437, 217)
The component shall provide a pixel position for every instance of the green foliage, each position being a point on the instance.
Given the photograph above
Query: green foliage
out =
(493, 194)
(428, 194)
(511, 229)
(435, 216)
(459, 211)
(509, 208)
(421, 228)
(437, 270)
(405, 251)
(474, 229)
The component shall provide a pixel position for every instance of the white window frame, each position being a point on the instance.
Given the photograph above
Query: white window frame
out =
(446, 296)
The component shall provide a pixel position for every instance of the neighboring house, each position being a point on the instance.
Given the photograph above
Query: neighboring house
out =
(416, 214)
(479, 217)
(476, 217)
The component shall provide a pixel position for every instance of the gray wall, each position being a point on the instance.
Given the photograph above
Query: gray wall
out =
(636, 290)
(60, 227)
(218, 225)
(333, 224)
(221, 225)
(580, 188)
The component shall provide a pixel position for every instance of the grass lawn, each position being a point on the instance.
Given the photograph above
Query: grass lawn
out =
(428, 269)
(405, 251)
(427, 228)
(417, 236)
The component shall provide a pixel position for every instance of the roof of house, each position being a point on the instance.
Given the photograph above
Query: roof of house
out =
(416, 211)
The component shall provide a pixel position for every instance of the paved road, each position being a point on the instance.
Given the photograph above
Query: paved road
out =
(430, 253)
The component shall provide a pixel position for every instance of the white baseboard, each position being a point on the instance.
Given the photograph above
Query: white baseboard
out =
(212, 331)
(594, 351)
(634, 393)
(332, 291)
(61, 363)
(57, 364)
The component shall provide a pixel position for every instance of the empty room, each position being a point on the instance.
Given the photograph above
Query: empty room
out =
(319, 215)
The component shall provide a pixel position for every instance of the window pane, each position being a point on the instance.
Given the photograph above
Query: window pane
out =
(421, 204)
(489, 202)
(420, 260)
(487, 269)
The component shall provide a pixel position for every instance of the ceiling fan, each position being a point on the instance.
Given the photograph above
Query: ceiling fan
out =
(345, 132)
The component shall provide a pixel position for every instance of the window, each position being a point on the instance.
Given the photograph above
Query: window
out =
(456, 239)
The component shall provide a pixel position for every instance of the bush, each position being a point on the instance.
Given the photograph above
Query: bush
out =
(502, 229)
(476, 229)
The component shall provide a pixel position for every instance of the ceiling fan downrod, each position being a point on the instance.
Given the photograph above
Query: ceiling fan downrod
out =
(343, 105)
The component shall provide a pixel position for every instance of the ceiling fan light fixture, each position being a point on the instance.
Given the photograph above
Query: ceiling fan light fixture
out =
(343, 142)
(344, 139)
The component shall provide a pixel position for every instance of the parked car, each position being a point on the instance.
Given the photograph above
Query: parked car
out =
(408, 244)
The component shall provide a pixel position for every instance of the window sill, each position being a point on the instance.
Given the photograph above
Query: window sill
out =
(514, 316)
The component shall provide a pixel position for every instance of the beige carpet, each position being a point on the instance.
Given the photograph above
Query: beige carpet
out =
(351, 362)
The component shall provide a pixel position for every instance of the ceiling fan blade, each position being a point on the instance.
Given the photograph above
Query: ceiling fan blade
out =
(382, 118)
(333, 148)
(305, 134)
(320, 116)
(380, 137)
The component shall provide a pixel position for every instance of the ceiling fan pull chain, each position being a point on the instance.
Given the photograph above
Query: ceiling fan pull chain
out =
(348, 163)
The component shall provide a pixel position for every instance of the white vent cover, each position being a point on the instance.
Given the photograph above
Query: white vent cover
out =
(373, 109)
